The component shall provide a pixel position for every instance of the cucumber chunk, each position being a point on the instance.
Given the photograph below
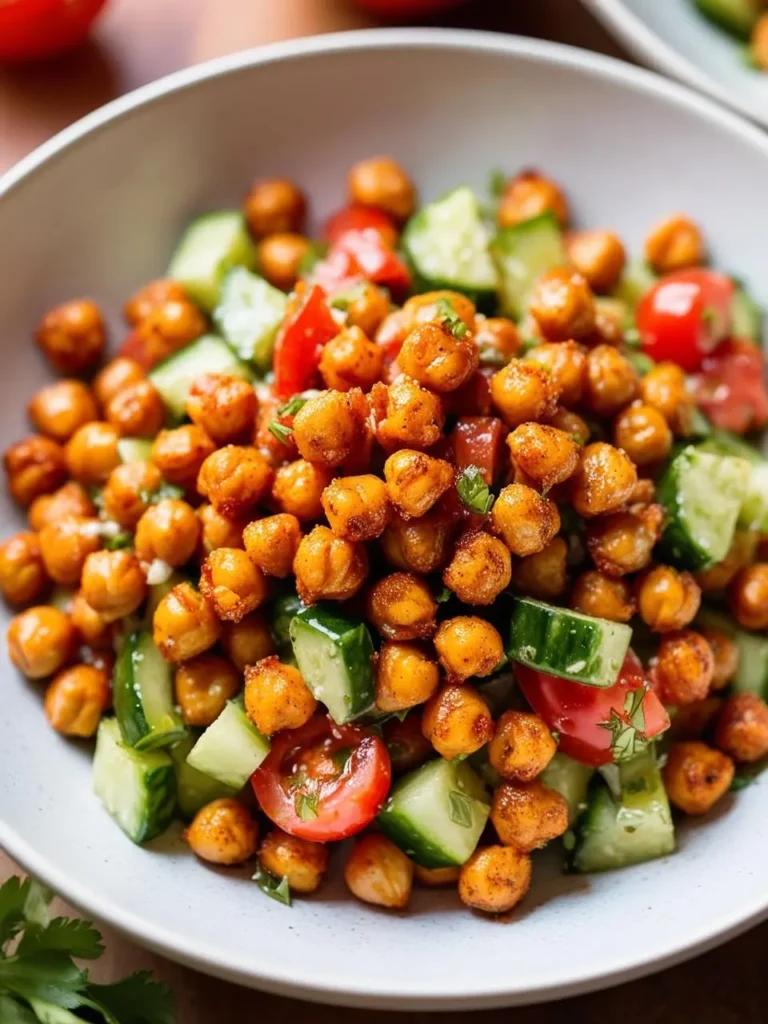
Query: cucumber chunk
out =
(736, 16)
(437, 814)
(637, 279)
(571, 780)
(746, 316)
(752, 673)
(137, 788)
(209, 354)
(210, 246)
(143, 694)
(522, 254)
(248, 316)
(282, 613)
(753, 514)
(134, 449)
(703, 494)
(334, 653)
(231, 748)
(194, 789)
(566, 643)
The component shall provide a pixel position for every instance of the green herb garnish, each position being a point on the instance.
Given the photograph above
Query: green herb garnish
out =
(281, 431)
(460, 808)
(306, 805)
(497, 182)
(274, 887)
(119, 541)
(446, 311)
(627, 727)
(292, 406)
(341, 757)
(443, 595)
(160, 493)
(474, 491)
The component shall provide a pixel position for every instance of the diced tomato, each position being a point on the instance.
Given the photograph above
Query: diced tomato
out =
(337, 272)
(323, 781)
(35, 29)
(357, 217)
(473, 398)
(685, 315)
(587, 717)
(378, 262)
(300, 342)
(479, 441)
(731, 387)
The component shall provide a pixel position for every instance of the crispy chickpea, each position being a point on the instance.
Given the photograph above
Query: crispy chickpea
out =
(378, 872)
(202, 686)
(392, 330)
(405, 677)
(674, 244)
(185, 624)
(598, 256)
(71, 499)
(136, 410)
(280, 257)
(610, 383)
(435, 878)
(437, 358)
(406, 745)
(457, 721)
(696, 776)
(497, 340)
(562, 305)
(357, 507)
(169, 327)
(521, 748)
(72, 336)
(223, 832)
(91, 628)
(401, 607)
(381, 182)
(329, 567)
(219, 532)
(546, 455)
(726, 655)
(525, 520)
(481, 567)
(66, 544)
(604, 480)
(298, 488)
(522, 391)
(91, 453)
(643, 433)
(667, 599)
(740, 554)
(565, 362)
(234, 479)
(350, 360)
(150, 296)
(527, 815)
(695, 721)
(415, 481)
(58, 409)
(545, 574)
(168, 531)
(113, 583)
(367, 306)
(748, 596)
(22, 569)
(622, 542)
(232, 583)
(301, 861)
(683, 667)
(34, 466)
(417, 545)
(274, 205)
(529, 195)
(429, 306)
(664, 387)
(406, 415)
(742, 727)
(272, 543)
(75, 700)
(115, 376)
(603, 597)
(40, 640)
(758, 46)
(495, 879)
(248, 640)
(276, 696)
(128, 492)
(331, 428)
(571, 424)
(468, 646)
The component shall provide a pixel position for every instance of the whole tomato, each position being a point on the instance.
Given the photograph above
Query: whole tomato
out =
(34, 29)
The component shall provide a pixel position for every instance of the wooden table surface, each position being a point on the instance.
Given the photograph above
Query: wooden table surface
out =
(137, 41)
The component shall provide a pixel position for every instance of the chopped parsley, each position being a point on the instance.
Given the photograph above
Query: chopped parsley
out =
(341, 757)
(292, 406)
(119, 541)
(274, 887)
(160, 493)
(282, 432)
(474, 491)
(443, 595)
(306, 805)
(450, 319)
(460, 808)
(627, 727)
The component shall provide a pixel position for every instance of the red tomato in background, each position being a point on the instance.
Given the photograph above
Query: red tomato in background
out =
(323, 781)
(405, 8)
(33, 29)
(299, 344)
(357, 217)
(685, 315)
(580, 713)
(731, 387)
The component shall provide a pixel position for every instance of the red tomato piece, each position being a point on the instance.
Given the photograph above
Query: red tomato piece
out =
(377, 261)
(337, 272)
(357, 217)
(300, 342)
(587, 716)
(323, 781)
(33, 29)
(731, 387)
(479, 441)
(685, 315)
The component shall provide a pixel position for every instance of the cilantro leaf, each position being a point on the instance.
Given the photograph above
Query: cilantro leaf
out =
(49, 975)
(13, 896)
(74, 936)
(474, 491)
(137, 999)
(444, 595)
(341, 757)
(276, 888)
(160, 493)
(460, 808)
(13, 1012)
(450, 318)
(121, 540)
(281, 431)
(307, 805)
(292, 406)
(48, 1013)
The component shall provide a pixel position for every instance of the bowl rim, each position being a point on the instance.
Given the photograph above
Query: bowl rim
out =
(645, 44)
(283, 980)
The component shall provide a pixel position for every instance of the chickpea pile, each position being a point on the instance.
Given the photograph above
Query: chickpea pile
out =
(367, 496)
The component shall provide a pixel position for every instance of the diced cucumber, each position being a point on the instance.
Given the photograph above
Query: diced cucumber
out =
(571, 780)
(437, 814)
(194, 789)
(283, 611)
(334, 653)
(210, 246)
(61, 598)
(522, 254)
(752, 673)
(703, 494)
(248, 315)
(137, 788)
(134, 449)
(722, 442)
(637, 279)
(616, 832)
(736, 16)
(209, 354)
(143, 694)
(231, 748)
(746, 316)
(566, 643)
(447, 245)
(754, 508)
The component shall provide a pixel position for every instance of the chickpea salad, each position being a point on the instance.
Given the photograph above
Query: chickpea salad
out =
(745, 20)
(446, 530)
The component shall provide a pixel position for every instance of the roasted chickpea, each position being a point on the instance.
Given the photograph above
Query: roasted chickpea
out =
(522, 391)
(219, 532)
(357, 507)
(66, 544)
(438, 358)
(329, 567)
(150, 296)
(223, 832)
(528, 815)
(298, 489)
(758, 46)
(726, 655)
(75, 700)
(136, 410)
(115, 376)
(401, 607)
(302, 862)
(417, 545)
(168, 327)
(481, 567)
(34, 466)
(392, 331)
(742, 727)
(610, 383)
(350, 360)
(430, 306)
(696, 776)
(128, 492)
(381, 182)
(276, 696)
(113, 583)
(546, 455)
(622, 542)
(571, 424)
(91, 453)
(415, 481)
(667, 599)
(565, 362)
(168, 531)
(247, 641)
(92, 629)
(457, 721)
(521, 748)
(280, 257)
(695, 721)
(40, 641)
(664, 387)
(232, 583)
(366, 307)
(603, 597)
(740, 554)
(599, 257)
(406, 745)
(22, 569)
(274, 205)
(604, 480)
(643, 433)
(272, 543)
(378, 872)
(405, 677)
(234, 479)
(643, 492)
(203, 685)
(495, 879)
(71, 499)
(545, 574)
(525, 520)
(468, 646)
(683, 667)
(529, 195)
(329, 429)
(562, 305)
(185, 624)
(72, 336)
(406, 415)
(748, 596)
(58, 409)
(674, 244)
(435, 878)
(497, 340)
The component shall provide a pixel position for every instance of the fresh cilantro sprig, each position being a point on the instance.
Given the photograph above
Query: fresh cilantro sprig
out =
(474, 492)
(627, 727)
(450, 319)
(282, 431)
(274, 887)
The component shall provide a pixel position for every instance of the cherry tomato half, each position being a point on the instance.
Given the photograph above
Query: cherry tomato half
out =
(299, 344)
(731, 387)
(685, 315)
(323, 781)
(33, 29)
(357, 217)
(587, 717)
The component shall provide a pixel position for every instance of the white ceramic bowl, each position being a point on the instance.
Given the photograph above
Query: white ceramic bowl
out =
(674, 37)
(97, 210)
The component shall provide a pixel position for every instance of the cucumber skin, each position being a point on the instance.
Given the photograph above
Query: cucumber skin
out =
(255, 747)
(173, 400)
(513, 296)
(194, 789)
(204, 290)
(129, 711)
(752, 673)
(283, 610)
